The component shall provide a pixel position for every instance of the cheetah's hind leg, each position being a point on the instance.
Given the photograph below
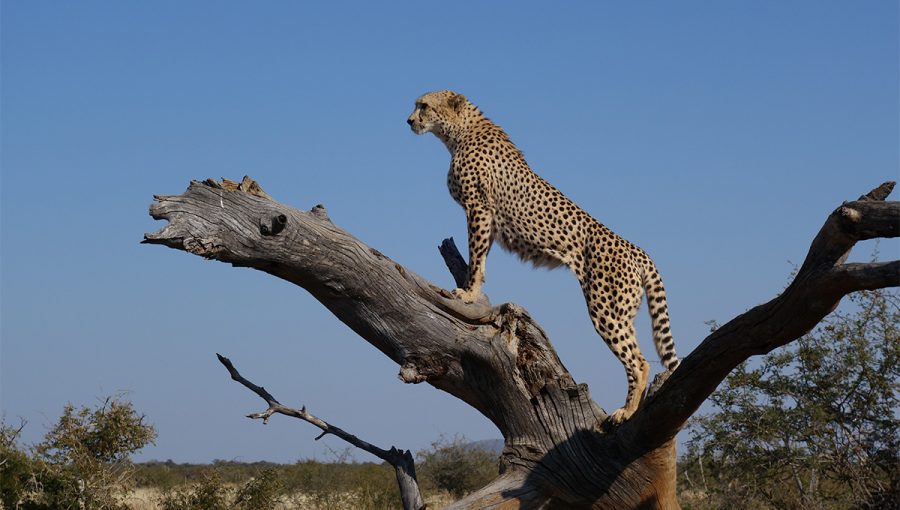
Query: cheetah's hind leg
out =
(635, 390)
(467, 295)
(621, 338)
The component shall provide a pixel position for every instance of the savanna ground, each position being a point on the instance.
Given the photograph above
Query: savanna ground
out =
(148, 499)
(304, 485)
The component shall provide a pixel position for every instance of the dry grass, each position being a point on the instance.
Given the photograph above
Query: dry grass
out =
(143, 499)
(148, 499)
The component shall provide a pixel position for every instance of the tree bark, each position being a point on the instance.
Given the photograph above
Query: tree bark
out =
(560, 451)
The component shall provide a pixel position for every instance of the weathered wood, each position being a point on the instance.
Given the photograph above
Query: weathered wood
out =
(560, 451)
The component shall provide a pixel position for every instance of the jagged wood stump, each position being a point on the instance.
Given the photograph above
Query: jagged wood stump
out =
(560, 451)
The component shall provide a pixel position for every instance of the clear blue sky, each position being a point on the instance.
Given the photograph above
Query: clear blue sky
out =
(716, 135)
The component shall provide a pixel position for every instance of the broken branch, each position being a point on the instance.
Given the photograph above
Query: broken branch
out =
(402, 460)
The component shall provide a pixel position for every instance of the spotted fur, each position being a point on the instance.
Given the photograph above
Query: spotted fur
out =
(506, 201)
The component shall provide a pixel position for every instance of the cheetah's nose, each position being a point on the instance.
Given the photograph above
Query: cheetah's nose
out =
(409, 121)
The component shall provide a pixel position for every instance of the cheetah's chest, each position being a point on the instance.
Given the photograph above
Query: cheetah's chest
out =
(453, 184)
(528, 216)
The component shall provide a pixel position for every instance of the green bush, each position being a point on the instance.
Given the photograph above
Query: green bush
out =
(211, 492)
(374, 485)
(260, 492)
(16, 468)
(84, 460)
(813, 426)
(161, 475)
(456, 466)
(208, 493)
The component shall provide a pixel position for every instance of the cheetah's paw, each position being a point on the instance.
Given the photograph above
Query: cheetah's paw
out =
(467, 296)
(619, 416)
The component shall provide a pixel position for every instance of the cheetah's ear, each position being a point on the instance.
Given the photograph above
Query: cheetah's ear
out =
(456, 101)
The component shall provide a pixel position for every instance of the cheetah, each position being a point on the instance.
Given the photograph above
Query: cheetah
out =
(505, 201)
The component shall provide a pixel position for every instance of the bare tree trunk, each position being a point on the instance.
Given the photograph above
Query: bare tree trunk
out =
(560, 451)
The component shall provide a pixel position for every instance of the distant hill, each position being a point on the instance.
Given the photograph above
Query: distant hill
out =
(494, 446)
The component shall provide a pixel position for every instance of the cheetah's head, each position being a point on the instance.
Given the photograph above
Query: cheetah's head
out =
(438, 113)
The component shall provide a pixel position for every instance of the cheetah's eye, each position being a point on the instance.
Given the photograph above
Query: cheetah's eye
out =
(423, 107)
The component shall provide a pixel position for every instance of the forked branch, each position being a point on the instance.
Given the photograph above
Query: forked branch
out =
(823, 279)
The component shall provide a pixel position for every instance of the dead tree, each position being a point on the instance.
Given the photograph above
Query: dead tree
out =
(560, 451)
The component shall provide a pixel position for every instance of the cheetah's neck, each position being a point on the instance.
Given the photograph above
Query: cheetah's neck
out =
(484, 132)
(454, 134)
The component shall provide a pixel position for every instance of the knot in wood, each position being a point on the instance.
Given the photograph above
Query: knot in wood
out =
(416, 370)
(409, 374)
(850, 214)
(273, 226)
(320, 212)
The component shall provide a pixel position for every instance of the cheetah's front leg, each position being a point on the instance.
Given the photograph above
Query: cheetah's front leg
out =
(479, 221)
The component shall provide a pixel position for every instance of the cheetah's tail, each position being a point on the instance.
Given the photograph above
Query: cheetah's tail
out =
(659, 314)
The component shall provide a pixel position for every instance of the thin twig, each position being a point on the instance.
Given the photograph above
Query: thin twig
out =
(402, 460)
